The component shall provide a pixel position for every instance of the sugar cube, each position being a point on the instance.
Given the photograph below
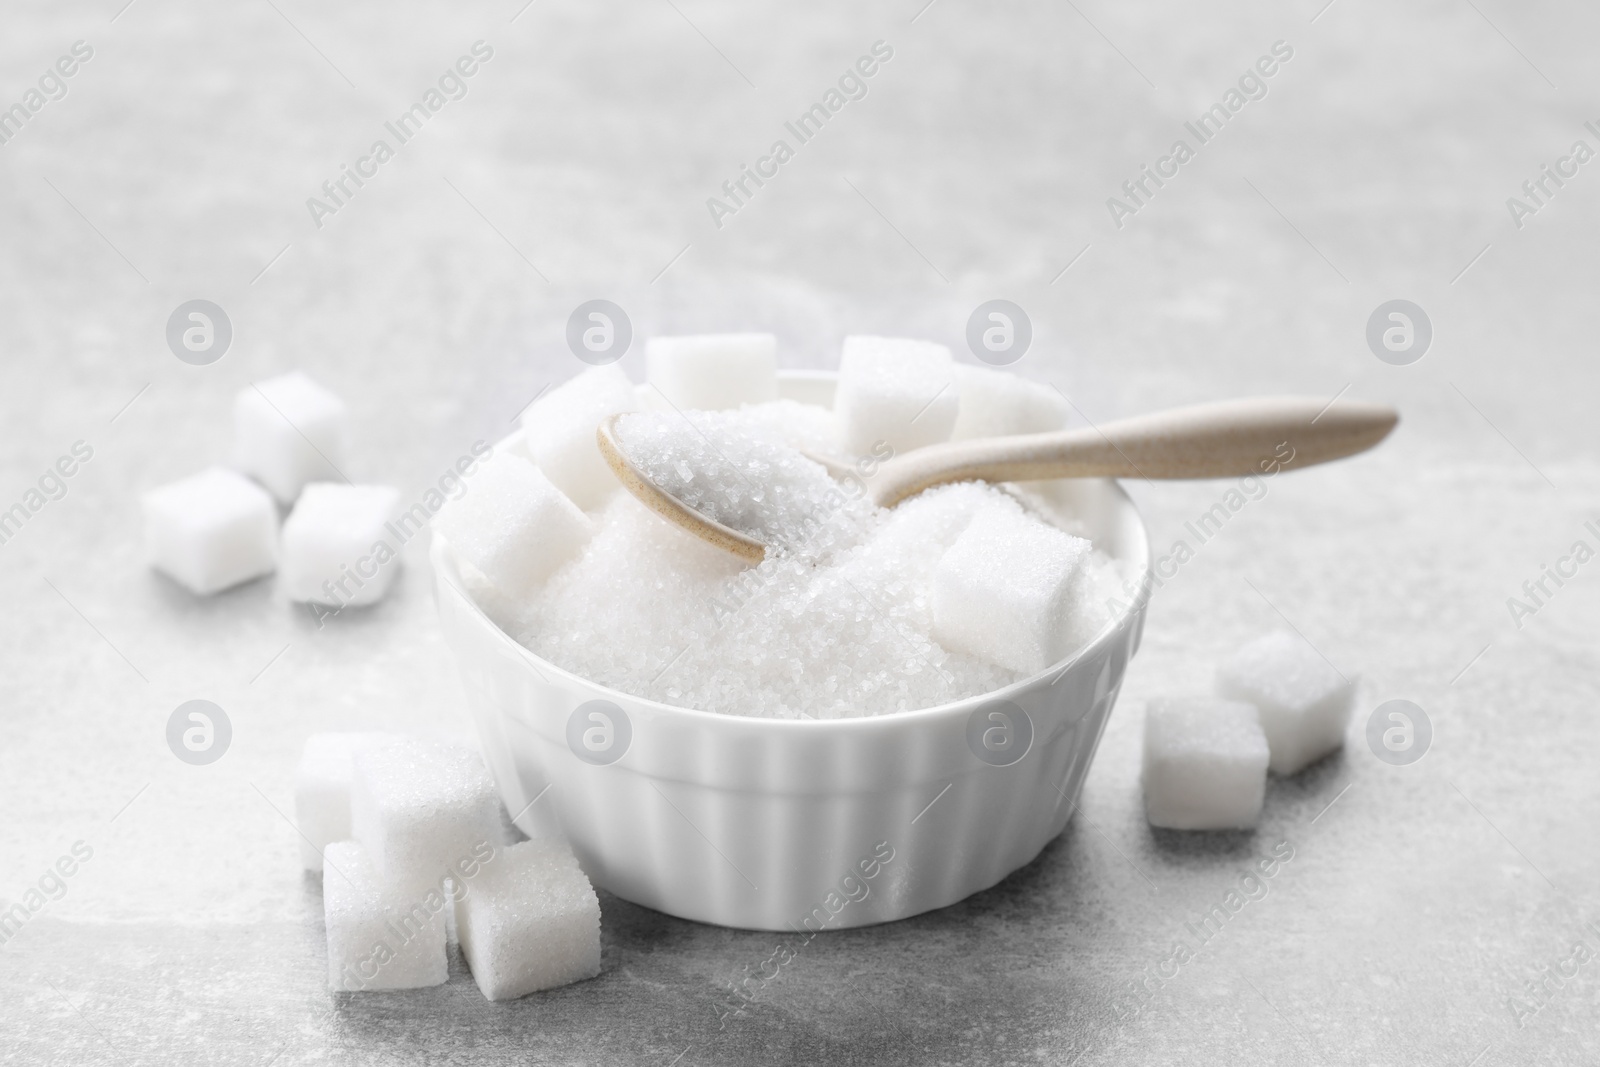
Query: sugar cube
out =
(380, 937)
(334, 549)
(210, 530)
(1303, 700)
(997, 403)
(288, 431)
(710, 372)
(514, 525)
(419, 806)
(1002, 591)
(894, 390)
(529, 921)
(322, 791)
(1205, 764)
(558, 430)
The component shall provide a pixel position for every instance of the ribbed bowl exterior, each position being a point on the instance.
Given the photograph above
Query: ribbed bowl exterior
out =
(794, 824)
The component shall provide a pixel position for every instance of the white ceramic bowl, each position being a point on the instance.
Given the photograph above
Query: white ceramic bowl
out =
(786, 824)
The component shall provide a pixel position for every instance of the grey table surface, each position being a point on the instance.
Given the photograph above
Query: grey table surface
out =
(1421, 901)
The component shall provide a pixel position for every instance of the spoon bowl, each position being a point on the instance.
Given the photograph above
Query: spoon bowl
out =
(669, 507)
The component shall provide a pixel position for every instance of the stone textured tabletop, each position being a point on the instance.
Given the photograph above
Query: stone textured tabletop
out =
(1430, 914)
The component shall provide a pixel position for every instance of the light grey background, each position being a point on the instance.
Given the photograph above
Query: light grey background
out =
(578, 166)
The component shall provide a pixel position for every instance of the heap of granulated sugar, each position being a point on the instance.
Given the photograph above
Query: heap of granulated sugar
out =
(712, 462)
(838, 624)
(808, 427)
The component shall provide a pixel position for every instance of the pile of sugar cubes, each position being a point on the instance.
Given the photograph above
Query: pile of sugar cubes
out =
(218, 528)
(1279, 706)
(414, 850)
(856, 610)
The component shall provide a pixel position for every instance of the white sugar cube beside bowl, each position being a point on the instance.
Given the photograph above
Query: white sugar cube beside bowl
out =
(786, 824)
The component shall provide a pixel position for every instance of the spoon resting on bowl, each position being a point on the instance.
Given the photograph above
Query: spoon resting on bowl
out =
(1230, 438)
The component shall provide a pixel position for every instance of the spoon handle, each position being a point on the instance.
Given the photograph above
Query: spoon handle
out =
(1226, 439)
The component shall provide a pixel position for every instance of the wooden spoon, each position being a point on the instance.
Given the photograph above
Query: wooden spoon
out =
(1227, 439)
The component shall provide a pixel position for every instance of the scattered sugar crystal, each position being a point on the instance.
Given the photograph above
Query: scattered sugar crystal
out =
(997, 404)
(1304, 702)
(895, 390)
(1004, 590)
(210, 530)
(419, 806)
(288, 431)
(712, 372)
(322, 791)
(711, 463)
(513, 525)
(379, 937)
(334, 547)
(529, 921)
(558, 431)
(1205, 764)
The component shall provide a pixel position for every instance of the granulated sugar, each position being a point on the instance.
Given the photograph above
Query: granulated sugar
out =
(807, 427)
(836, 624)
(710, 462)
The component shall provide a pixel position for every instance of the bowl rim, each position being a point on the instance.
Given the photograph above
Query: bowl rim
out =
(446, 571)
